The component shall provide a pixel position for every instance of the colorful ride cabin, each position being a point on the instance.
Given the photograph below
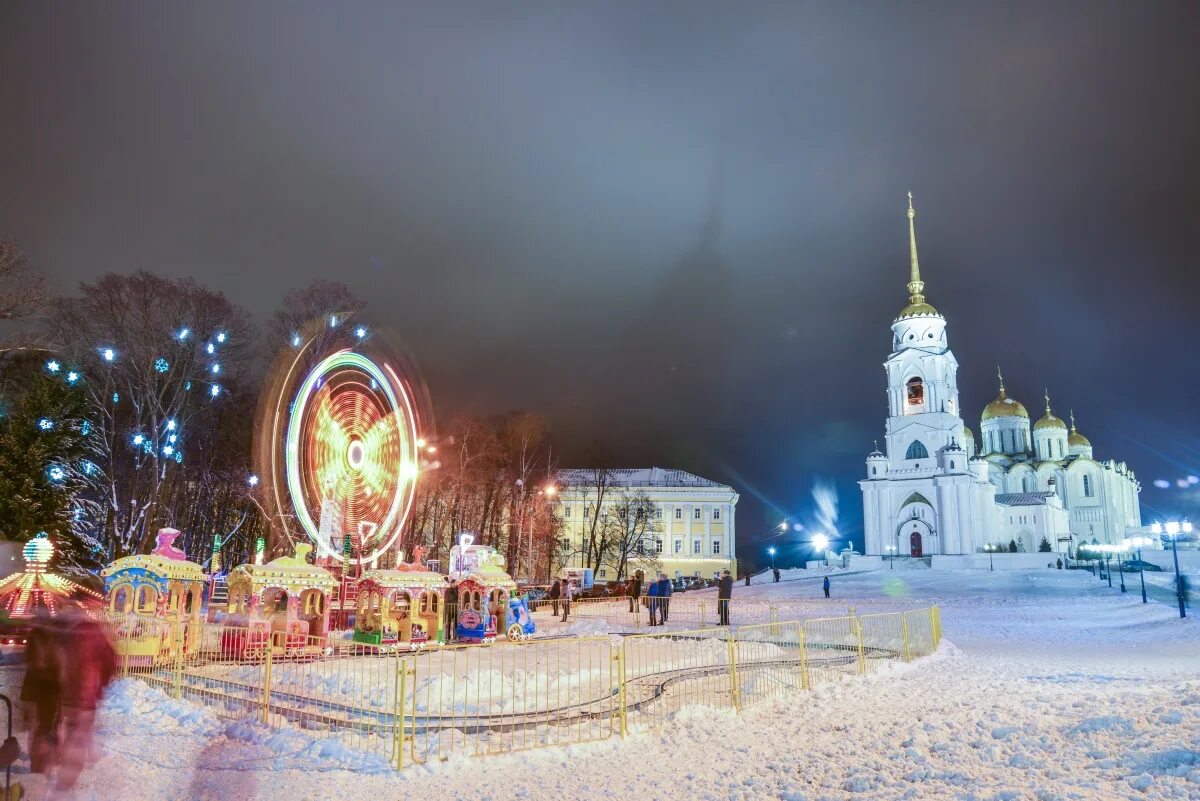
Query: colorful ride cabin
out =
(403, 608)
(36, 591)
(285, 600)
(483, 591)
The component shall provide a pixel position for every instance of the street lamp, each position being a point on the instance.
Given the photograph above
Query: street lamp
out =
(991, 563)
(1172, 528)
(771, 551)
(892, 548)
(1120, 565)
(820, 542)
(1138, 542)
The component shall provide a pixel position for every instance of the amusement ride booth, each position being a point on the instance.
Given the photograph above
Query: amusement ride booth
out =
(402, 608)
(487, 601)
(160, 586)
(36, 592)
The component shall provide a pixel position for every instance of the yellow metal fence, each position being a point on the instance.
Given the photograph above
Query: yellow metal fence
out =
(401, 707)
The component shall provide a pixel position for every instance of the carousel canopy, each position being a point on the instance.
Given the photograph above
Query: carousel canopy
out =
(291, 572)
(398, 579)
(23, 594)
(165, 563)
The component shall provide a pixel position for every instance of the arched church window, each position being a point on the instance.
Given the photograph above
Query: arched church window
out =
(916, 391)
(916, 451)
(1087, 486)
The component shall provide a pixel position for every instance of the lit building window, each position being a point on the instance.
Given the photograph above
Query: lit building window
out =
(716, 513)
(678, 514)
(696, 547)
(696, 513)
(678, 546)
(716, 547)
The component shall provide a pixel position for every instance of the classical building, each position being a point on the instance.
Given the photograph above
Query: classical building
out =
(690, 533)
(933, 490)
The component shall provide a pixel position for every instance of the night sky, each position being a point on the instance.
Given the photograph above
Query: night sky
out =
(675, 230)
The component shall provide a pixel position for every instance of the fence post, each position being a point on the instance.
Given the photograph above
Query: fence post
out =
(733, 676)
(862, 655)
(904, 629)
(622, 696)
(266, 696)
(805, 681)
(177, 635)
(937, 616)
(933, 637)
(774, 617)
(398, 714)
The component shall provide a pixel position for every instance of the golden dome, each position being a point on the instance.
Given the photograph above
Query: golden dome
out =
(967, 433)
(1075, 439)
(1003, 406)
(1048, 420)
(918, 309)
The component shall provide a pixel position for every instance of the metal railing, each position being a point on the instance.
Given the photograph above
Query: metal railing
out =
(403, 707)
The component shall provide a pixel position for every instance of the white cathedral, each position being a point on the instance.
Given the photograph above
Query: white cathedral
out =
(930, 492)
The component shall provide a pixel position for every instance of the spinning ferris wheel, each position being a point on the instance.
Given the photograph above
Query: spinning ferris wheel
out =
(338, 443)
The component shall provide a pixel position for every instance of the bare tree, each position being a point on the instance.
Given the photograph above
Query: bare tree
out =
(594, 494)
(22, 290)
(321, 300)
(632, 524)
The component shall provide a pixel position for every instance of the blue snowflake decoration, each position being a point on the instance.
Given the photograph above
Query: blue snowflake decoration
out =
(183, 334)
(88, 467)
(45, 424)
(138, 439)
(215, 390)
(53, 366)
(85, 427)
(221, 337)
(161, 365)
(187, 385)
(116, 397)
(56, 473)
(72, 377)
(178, 457)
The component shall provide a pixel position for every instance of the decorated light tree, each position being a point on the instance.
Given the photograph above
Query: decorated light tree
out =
(156, 360)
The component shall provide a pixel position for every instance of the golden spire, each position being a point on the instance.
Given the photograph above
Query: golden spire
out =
(1047, 396)
(1001, 377)
(916, 287)
(1072, 421)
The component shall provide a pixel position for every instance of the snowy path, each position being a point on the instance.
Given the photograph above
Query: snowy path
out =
(1049, 686)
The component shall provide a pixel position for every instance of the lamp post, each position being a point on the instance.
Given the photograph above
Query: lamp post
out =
(1121, 566)
(990, 549)
(892, 560)
(1138, 542)
(1173, 527)
(771, 552)
(1108, 563)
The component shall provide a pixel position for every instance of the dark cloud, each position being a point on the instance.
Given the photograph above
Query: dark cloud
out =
(525, 194)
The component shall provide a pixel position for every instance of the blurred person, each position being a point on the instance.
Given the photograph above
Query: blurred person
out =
(724, 594)
(775, 571)
(41, 691)
(567, 589)
(88, 665)
(825, 586)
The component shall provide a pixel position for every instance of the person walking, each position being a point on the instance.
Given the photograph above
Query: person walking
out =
(41, 690)
(724, 593)
(634, 590)
(825, 585)
(553, 595)
(664, 596)
(86, 676)
(775, 571)
(1060, 563)
(652, 602)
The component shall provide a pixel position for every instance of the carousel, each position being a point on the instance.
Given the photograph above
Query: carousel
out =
(35, 592)
(401, 608)
(153, 592)
(283, 605)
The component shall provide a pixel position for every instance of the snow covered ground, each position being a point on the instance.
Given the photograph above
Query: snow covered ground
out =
(1049, 685)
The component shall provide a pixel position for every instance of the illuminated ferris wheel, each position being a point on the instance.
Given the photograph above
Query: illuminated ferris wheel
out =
(339, 429)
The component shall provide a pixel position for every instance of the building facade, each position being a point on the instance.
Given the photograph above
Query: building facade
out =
(690, 530)
(932, 491)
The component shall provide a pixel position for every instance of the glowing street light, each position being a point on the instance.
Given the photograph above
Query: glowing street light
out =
(820, 542)
(1138, 542)
(1173, 529)
(771, 552)
(892, 560)
(991, 562)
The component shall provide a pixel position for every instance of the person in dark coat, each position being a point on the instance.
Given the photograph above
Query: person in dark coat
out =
(775, 571)
(634, 590)
(451, 607)
(664, 595)
(554, 594)
(42, 691)
(652, 602)
(724, 593)
(85, 678)
(1060, 563)
(825, 584)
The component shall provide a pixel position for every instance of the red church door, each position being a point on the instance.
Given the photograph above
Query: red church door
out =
(914, 542)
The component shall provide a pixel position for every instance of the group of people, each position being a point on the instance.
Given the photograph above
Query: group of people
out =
(69, 662)
(560, 595)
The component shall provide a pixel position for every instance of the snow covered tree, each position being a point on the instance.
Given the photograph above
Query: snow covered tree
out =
(1012, 546)
(22, 291)
(156, 359)
(632, 525)
(1045, 546)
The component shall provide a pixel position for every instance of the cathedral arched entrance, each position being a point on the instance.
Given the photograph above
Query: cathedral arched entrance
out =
(915, 537)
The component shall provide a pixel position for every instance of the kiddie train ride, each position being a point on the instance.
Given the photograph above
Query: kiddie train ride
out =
(282, 606)
(157, 598)
(401, 608)
(485, 592)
